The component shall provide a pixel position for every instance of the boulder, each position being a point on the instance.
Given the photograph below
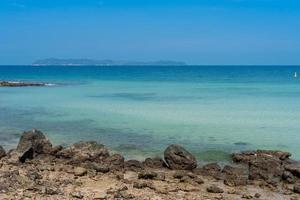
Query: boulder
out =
(179, 158)
(133, 165)
(115, 162)
(235, 176)
(155, 163)
(85, 151)
(294, 169)
(31, 144)
(214, 189)
(2, 152)
(211, 169)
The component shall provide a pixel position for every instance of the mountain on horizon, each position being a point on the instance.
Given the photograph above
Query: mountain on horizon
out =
(107, 62)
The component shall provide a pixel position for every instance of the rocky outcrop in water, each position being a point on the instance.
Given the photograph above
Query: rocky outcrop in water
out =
(86, 170)
(20, 84)
(177, 157)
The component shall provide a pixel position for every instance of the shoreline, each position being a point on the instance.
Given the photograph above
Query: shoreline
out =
(87, 170)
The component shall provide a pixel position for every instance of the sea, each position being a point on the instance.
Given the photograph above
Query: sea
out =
(138, 111)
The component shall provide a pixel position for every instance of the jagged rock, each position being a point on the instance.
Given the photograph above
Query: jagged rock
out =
(214, 189)
(235, 176)
(246, 156)
(179, 158)
(115, 162)
(211, 169)
(2, 152)
(85, 151)
(80, 171)
(147, 175)
(155, 163)
(31, 144)
(294, 169)
(288, 177)
(103, 168)
(133, 165)
(141, 185)
(52, 190)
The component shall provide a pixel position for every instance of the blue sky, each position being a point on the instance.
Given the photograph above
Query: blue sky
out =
(195, 31)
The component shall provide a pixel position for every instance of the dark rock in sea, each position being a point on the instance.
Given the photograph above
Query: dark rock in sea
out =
(2, 152)
(20, 84)
(85, 151)
(214, 189)
(177, 157)
(133, 165)
(115, 162)
(235, 176)
(31, 144)
(211, 169)
(155, 163)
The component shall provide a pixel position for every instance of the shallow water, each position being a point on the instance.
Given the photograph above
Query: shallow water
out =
(212, 110)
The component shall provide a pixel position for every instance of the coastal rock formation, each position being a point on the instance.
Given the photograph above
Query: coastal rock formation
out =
(31, 144)
(177, 157)
(85, 170)
(20, 84)
(85, 151)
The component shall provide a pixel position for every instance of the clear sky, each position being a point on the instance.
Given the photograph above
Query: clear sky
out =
(195, 31)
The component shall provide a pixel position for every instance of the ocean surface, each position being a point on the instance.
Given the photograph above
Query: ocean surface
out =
(139, 110)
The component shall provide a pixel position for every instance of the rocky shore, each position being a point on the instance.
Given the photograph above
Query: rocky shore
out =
(86, 170)
(20, 84)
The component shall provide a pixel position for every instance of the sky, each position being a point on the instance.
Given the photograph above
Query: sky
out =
(205, 32)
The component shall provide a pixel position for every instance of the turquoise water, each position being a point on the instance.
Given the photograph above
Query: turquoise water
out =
(211, 110)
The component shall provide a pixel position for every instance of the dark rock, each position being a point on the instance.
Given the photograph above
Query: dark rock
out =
(2, 152)
(52, 191)
(155, 163)
(211, 169)
(288, 177)
(297, 188)
(115, 162)
(198, 180)
(179, 158)
(20, 84)
(246, 156)
(85, 151)
(133, 165)
(257, 195)
(31, 144)
(214, 189)
(294, 169)
(235, 176)
(147, 175)
(100, 167)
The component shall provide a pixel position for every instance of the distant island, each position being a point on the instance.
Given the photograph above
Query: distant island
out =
(91, 62)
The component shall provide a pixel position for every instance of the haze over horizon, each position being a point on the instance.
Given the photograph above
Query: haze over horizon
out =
(213, 32)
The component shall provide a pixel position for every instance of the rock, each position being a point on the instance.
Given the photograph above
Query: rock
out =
(2, 152)
(288, 177)
(257, 195)
(115, 162)
(297, 188)
(80, 171)
(211, 169)
(155, 163)
(31, 144)
(85, 151)
(246, 156)
(179, 158)
(147, 175)
(52, 191)
(19, 84)
(265, 169)
(247, 196)
(76, 195)
(214, 189)
(103, 168)
(235, 176)
(294, 169)
(141, 185)
(133, 165)
(198, 180)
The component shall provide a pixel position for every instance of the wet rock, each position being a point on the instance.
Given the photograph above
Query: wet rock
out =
(2, 152)
(147, 174)
(235, 176)
(211, 169)
(179, 158)
(80, 171)
(20, 84)
(85, 151)
(214, 189)
(115, 162)
(133, 165)
(31, 144)
(155, 163)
